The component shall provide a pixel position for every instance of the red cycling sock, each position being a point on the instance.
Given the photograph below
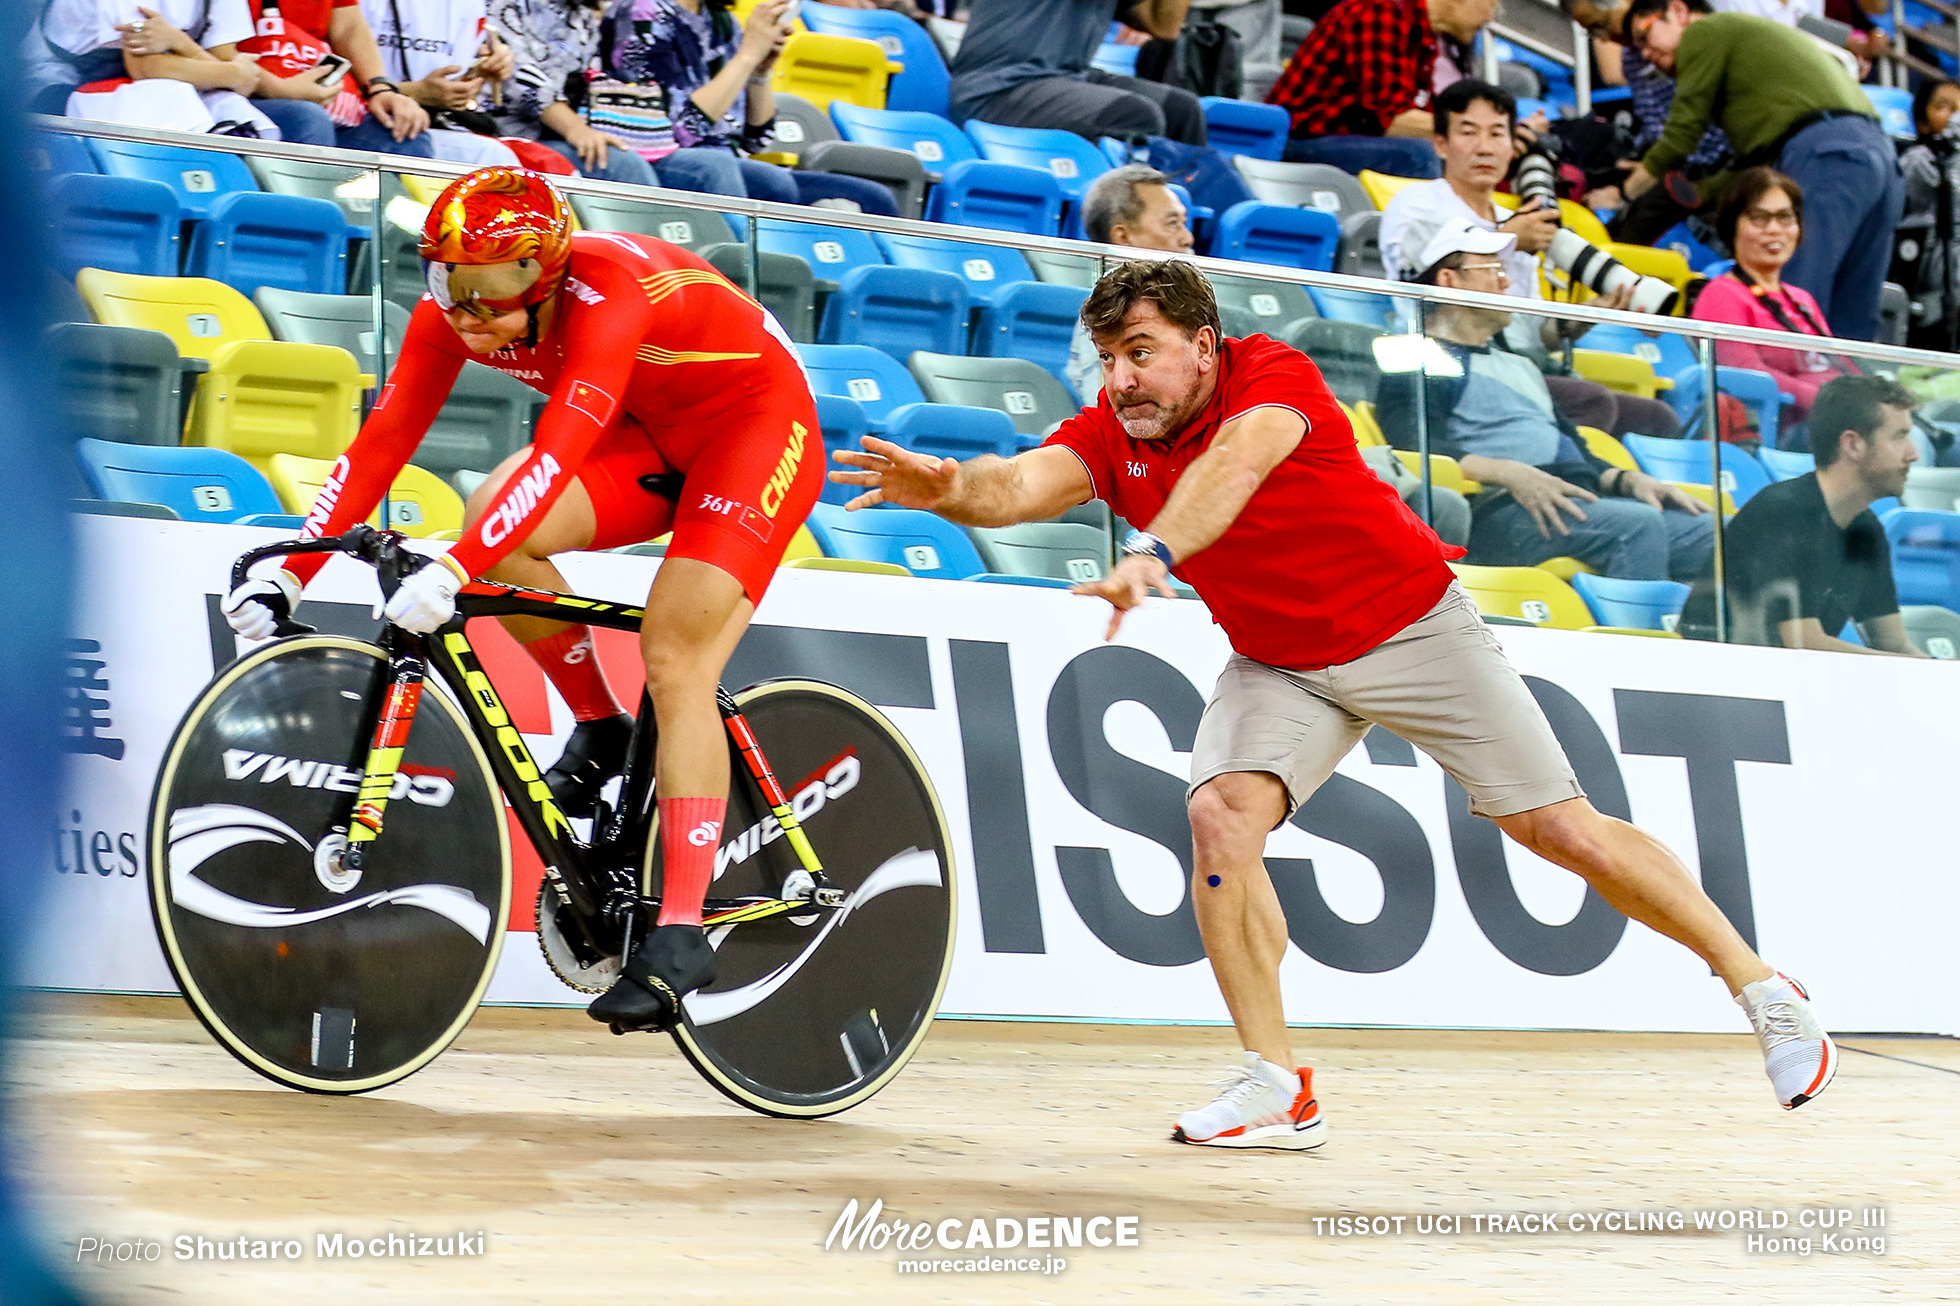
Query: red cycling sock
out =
(690, 833)
(572, 664)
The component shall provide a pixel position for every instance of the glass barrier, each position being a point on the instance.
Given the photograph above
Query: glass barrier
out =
(1567, 447)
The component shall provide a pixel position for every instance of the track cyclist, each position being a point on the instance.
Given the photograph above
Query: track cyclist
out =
(677, 402)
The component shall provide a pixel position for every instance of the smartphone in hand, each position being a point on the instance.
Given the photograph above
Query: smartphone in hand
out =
(339, 65)
(791, 13)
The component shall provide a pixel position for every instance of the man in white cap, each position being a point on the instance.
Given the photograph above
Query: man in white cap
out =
(1546, 494)
(1342, 613)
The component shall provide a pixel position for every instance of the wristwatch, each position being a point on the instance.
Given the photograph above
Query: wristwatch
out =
(1142, 544)
(383, 84)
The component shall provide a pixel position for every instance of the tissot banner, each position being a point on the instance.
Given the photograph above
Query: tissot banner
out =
(1812, 793)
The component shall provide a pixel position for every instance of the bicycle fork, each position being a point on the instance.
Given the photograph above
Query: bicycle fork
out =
(407, 672)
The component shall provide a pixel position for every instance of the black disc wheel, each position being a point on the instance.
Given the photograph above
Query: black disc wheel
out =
(813, 1013)
(316, 976)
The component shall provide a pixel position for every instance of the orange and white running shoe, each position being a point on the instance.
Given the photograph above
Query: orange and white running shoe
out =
(1259, 1104)
(1798, 1055)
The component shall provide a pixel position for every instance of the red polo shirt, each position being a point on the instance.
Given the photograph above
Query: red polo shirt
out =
(1324, 562)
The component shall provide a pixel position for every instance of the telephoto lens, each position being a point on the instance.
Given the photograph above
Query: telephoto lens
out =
(1601, 273)
(1537, 177)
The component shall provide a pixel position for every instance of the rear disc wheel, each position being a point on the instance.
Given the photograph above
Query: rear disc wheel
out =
(812, 1013)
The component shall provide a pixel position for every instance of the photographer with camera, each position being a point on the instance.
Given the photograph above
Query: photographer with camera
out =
(1477, 142)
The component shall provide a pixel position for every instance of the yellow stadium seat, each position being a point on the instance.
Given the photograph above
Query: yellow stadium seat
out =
(1666, 264)
(1367, 430)
(1607, 449)
(1565, 568)
(1622, 373)
(848, 564)
(801, 545)
(1706, 493)
(423, 190)
(1443, 471)
(260, 396)
(1381, 187)
(201, 315)
(419, 504)
(267, 397)
(1524, 592)
(823, 68)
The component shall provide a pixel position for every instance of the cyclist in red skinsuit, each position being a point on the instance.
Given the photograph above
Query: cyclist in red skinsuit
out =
(665, 380)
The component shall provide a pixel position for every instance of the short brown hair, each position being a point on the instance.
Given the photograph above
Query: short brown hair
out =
(1179, 291)
(1851, 403)
(1750, 185)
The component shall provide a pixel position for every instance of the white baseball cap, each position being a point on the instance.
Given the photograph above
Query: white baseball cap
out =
(1457, 236)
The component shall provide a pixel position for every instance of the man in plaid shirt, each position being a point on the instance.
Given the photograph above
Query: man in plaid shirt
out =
(1359, 85)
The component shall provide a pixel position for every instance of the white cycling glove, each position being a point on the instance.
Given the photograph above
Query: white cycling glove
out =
(268, 595)
(427, 600)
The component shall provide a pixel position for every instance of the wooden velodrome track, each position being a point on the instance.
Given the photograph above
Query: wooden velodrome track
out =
(602, 1169)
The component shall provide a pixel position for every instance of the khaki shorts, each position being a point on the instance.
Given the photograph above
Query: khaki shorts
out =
(1442, 683)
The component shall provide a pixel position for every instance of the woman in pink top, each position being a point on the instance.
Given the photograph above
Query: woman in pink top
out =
(1761, 218)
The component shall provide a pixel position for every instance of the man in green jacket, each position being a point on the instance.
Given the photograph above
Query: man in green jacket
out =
(1787, 104)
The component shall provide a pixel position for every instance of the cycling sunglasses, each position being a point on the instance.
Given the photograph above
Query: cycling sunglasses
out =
(437, 277)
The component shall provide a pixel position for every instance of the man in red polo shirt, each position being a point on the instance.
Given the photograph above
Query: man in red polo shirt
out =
(1342, 612)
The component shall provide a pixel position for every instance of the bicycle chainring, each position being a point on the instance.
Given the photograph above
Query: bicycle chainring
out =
(562, 956)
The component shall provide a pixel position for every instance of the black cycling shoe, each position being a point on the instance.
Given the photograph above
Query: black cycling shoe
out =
(669, 964)
(594, 754)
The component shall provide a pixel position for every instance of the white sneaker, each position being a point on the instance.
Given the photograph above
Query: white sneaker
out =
(1798, 1055)
(1259, 1105)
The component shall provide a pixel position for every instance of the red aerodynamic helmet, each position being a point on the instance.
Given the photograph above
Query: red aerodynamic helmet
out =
(499, 215)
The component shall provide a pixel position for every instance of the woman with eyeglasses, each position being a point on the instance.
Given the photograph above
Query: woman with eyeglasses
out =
(1761, 219)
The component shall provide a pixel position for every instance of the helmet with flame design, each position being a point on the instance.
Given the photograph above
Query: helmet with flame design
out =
(496, 216)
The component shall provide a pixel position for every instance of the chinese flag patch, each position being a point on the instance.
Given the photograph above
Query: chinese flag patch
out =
(592, 401)
(755, 523)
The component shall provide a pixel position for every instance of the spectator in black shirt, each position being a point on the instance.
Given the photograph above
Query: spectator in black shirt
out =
(1807, 555)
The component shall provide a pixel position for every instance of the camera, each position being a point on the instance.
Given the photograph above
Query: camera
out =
(1537, 175)
(1601, 273)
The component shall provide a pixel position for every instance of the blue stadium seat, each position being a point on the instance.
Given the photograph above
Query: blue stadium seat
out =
(1925, 555)
(1692, 461)
(1894, 105)
(288, 242)
(998, 196)
(119, 224)
(923, 85)
(986, 269)
(1112, 57)
(953, 431)
(938, 144)
(1760, 390)
(200, 484)
(921, 542)
(1355, 306)
(1033, 320)
(830, 251)
(200, 177)
(1239, 127)
(878, 382)
(1254, 232)
(844, 424)
(897, 310)
(1634, 604)
(1072, 161)
(1682, 241)
(1785, 464)
(1037, 582)
(58, 152)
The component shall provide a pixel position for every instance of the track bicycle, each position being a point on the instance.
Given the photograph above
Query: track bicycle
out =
(330, 868)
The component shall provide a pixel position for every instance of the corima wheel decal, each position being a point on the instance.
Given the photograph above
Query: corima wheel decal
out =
(912, 868)
(197, 834)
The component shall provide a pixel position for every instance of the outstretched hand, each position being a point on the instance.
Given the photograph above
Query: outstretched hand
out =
(896, 476)
(1126, 586)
